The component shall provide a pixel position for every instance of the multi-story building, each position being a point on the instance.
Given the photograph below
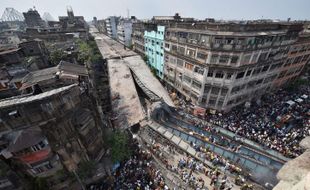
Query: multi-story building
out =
(33, 19)
(9, 38)
(73, 23)
(138, 29)
(16, 63)
(8, 178)
(63, 74)
(154, 49)
(297, 58)
(29, 150)
(67, 118)
(220, 65)
(111, 25)
(101, 26)
(124, 31)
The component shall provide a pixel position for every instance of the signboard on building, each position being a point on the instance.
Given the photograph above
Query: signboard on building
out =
(199, 111)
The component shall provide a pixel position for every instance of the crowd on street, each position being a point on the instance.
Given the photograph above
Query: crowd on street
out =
(271, 122)
(192, 171)
(278, 120)
(139, 173)
(135, 173)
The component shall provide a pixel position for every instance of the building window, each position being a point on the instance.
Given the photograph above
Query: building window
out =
(254, 57)
(207, 89)
(202, 55)
(174, 48)
(230, 102)
(191, 52)
(256, 71)
(263, 56)
(234, 59)
(187, 79)
(214, 58)
(229, 75)
(180, 62)
(215, 90)
(220, 103)
(248, 73)
(189, 66)
(212, 102)
(305, 58)
(219, 75)
(167, 45)
(196, 84)
(246, 59)
(240, 75)
(224, 91)
(235, 89)
(199, 70)
(210, 73)
(172, 60)
(259, 81)
(265, 68)
(224, 59)
(181, 50)
(15, 114)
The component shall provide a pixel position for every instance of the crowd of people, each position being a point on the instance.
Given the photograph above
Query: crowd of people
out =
(271, 122)
(190, 169)
(137, 173)
(278, 121)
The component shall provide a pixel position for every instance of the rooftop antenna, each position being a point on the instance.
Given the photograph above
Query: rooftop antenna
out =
(127, 13)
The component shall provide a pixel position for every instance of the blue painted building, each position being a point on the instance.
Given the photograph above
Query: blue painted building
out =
(154, 49)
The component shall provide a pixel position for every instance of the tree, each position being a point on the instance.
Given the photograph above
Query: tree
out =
(86, 169)
(145, 58)
(153, 70)
(119, 144)
(56, 56)
(4, 168)
(84, 52)
(88, 51)
(39, 183)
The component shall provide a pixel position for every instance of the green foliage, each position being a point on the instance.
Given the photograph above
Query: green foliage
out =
(56, 56)
(153, 70)
(145, 58)
(3, 168)
(119, 144)
(86, 169)
(88, 51)
(39, 183)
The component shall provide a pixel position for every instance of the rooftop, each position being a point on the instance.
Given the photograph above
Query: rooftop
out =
(64, 68)
(244, 27)
(141, 70)
(23, 99)
(20, 140)
(125, 100)
(36, 156)
(226, 33)
(9, 51)
(111, 49)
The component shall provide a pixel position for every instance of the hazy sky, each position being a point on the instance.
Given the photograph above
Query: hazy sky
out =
(219, 9)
